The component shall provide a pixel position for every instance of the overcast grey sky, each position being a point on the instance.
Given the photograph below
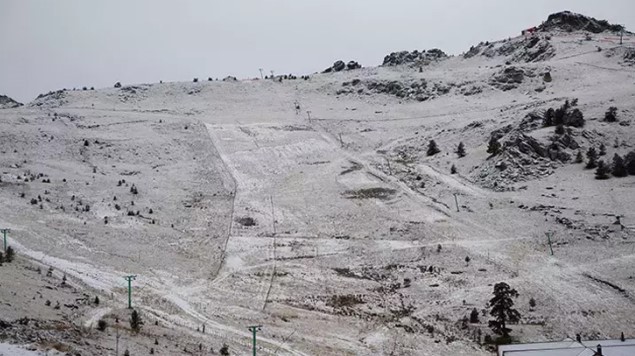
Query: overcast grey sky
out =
(47, 45)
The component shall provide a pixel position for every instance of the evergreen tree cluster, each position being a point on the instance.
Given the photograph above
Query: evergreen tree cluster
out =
(564, 116)
(619, 167)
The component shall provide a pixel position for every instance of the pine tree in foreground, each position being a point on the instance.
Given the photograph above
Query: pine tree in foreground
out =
(453, 169)
(602, 149)
(501, 309)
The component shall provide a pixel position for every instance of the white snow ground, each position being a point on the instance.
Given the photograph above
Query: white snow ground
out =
(322, 271)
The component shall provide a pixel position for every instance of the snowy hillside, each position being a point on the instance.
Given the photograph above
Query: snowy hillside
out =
(311, 206)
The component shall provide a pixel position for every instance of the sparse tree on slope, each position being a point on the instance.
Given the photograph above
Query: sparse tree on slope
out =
(10, 254)
(453, 169)
(493, 147)
(592, 157)
(501, 309)
(579, 158)
(460, 150)
(135, 321)
(630, 163)
(602, 149)
(602, 172)
(433, 149)
(619, 169)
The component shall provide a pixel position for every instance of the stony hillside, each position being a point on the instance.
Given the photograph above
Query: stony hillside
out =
(318, 206)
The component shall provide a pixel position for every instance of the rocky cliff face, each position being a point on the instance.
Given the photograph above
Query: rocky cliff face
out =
(8, 103)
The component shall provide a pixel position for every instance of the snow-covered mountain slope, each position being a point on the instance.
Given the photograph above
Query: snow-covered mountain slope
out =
(311, 206)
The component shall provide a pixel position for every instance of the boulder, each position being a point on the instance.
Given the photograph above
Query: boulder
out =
(339, 66)
(353, 65)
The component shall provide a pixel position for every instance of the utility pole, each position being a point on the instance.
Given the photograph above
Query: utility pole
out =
(254, 329)
(117, 338)
(621, 34)
(261, 77)
(4, 232)
(341, 142)
(130, 278)
(308, 113)
(389, 168)
(271, 74)
(549, 240)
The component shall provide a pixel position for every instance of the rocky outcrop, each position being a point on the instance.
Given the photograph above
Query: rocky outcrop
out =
(569, 21)
(418, 90)
(415, 57)
(51, 99)
(508, 79)
(339, 66)
(8, 103)
(529, 49)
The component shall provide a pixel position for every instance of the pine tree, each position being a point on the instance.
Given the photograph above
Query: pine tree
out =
(224, 350)
(532, 303)
(548, 119)
(493, 147)
(10, 254)
(602, 149)
(460, 150)
(96, 300)
(433, 149)
(619, 169)
(474, 316)
(602, 172)
(126, 353)
(611, 114)
(592, 157)
(453, 169)
(467, 260)
(579, 158)
(630, 163)
(559, 130)
(1, 258)
(502, 310)
(135, 321)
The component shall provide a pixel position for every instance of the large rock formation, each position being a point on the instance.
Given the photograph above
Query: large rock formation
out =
(339, 66)
(8, 103)
(415, 57)
(569, 21)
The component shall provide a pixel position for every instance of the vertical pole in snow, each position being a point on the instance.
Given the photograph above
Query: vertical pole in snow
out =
(254, 329)
(130, 278)
(389, 168)
(549, 240)
(261, 77)
(4, 232)
(308, 113)
(621, 35)
(456, 201)
(341, 142)
(273, 216)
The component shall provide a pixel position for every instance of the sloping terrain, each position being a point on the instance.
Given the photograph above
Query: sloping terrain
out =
(311, 207)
